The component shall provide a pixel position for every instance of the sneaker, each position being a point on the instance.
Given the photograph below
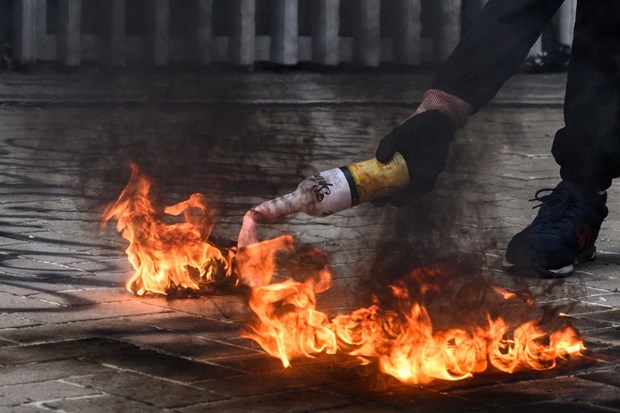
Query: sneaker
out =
(562, 234)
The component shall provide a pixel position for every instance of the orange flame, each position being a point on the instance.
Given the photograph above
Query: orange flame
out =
(404, 340)
(402, 334)
(166, 254)
(288, 324)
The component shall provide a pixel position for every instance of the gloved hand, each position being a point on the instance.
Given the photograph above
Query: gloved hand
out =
(423, 140)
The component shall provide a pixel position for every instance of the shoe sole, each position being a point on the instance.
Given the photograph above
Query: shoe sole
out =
(589, 254)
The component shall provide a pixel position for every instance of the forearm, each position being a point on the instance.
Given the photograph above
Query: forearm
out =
(493, 48)
(455, 108)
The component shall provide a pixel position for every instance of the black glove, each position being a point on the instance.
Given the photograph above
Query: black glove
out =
(423, 140)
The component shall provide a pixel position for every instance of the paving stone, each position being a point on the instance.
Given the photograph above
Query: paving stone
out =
(5, 342)
(78, 297)
(387, 392)
(610, 377)
(588, 310)
(282, 380)
(7, 321)
(189, 324)
(229, 308)
(562, 369)
(46, 371)
(20, 305)
(602, 281)
(151, 390)
(523, 393)
(363, 407)
(27, 286)
(156, 364)
(607, 274)
(100, 264)
(281, 402)
(613, 402)
(40, 391)
(33, 268)
(596, 353)
(86, 280)
(13, 355)
(100, 404)
(247, 343)
(612, 315)
(609, 354)
(72, 330)
(585, 325)
(195, 347)
(487, 378)
(553, 407)
(611, 300)
(251, 363)
(28, 408)
(607, 334)
(43, 253)
(89, 312)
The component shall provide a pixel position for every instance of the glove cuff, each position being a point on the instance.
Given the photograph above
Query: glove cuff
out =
(452, 106)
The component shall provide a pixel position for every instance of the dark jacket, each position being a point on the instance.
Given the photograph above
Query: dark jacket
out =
(492, 50)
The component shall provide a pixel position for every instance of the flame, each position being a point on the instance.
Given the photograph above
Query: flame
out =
(402, 338)
(256, 263)
(480, 325)
(166, 255)
(287, 323)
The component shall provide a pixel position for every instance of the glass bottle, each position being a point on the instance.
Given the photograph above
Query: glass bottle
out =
(331, 191)
(334, 190)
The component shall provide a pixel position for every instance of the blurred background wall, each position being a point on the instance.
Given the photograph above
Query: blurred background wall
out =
(365, 33)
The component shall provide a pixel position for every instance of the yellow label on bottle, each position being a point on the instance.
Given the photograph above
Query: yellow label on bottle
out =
(374, 179)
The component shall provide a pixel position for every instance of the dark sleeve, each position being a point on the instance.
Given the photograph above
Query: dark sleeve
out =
(492, 50)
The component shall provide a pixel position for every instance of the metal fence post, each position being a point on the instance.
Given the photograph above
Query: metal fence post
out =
(70, 32)
(284, 32)
(242, 44)
(203, 33)
(367, 42)
(115, 37)
(325, 32)
(407, 40)
(25, 30)
(158, 37)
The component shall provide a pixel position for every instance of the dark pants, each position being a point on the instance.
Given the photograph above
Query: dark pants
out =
(588, 148)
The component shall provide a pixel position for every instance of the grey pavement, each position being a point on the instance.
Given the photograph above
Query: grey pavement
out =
(72, 339)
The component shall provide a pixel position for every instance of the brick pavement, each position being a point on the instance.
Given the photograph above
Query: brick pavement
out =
(72, 339)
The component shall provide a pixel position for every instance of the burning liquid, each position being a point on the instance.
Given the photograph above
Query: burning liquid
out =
(167, 255)
(402, 337)
(327, 192)
(481, 325)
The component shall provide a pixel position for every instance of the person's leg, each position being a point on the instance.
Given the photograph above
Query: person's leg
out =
(587, 150)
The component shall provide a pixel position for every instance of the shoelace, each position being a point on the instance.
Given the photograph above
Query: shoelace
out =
(558, 209)
(553, 205)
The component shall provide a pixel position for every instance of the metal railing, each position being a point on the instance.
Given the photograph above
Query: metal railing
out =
(73, 41)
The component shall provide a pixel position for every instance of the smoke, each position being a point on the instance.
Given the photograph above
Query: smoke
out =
(446, 225)
(479, 203)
